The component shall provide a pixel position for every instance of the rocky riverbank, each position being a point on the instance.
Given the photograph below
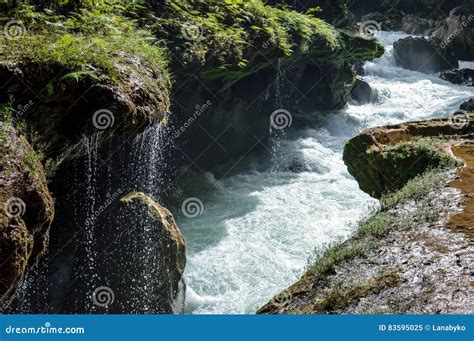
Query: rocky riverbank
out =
(412, 256)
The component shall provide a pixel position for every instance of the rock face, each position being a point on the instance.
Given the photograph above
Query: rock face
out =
(420, 54)
(361, 92)
(239, 117)
(377, 156)
(457, 33)
(62, 111)
(462, 77)
(26, 212)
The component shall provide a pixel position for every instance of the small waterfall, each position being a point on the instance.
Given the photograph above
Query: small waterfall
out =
(91, 149)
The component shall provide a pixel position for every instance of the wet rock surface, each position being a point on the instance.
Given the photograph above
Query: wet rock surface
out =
(361, 93)
(423, 55)
(26, 211)
(461, 77)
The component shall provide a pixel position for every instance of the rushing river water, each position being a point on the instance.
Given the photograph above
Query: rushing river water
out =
(261, 224)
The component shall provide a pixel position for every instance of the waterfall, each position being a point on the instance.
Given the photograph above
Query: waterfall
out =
(91, 149)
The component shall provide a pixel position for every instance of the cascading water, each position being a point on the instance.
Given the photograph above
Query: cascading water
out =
(259, 229)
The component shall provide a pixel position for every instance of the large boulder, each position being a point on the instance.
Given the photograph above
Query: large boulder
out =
(384, 159)
(60, 110)
(26, 211)
(457, 33)
(461, 77)
(168, 259)
(423, 55)
(361, 93)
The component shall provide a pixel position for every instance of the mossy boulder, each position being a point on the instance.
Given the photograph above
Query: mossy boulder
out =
(26, 211)
(58, 111)
(384, 159)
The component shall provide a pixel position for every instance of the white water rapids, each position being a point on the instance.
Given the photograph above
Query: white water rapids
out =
(261, 224)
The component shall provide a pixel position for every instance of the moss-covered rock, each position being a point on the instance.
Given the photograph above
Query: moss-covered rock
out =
(57, 111)
(171, 250)
(26, 211)
(383, 159)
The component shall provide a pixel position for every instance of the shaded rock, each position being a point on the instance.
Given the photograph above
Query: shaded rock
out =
(358, 68)
(468, 105)
(420, 54)
(457, 33)
(361, 92)
(383, 159)
(462, 77)
(26, 211)
(238, 119)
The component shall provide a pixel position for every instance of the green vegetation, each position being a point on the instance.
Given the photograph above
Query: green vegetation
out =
(364, 239)
(430, 150)
(89, 43)
(6, 113)
(415, 189)
(227, 36)
(340, 294)
(243, 35)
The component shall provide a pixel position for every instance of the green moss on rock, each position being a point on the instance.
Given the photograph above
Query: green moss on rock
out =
(26, 211)
(384, 159)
